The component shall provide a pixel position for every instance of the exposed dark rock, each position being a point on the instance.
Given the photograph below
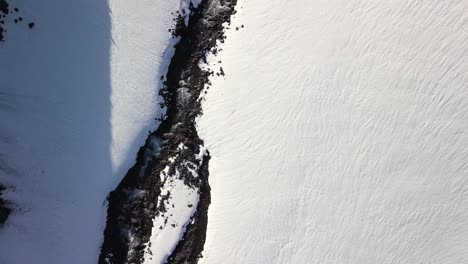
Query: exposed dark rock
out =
(5, 12)
(189, 249)
(4, 209)
(4, 6)
(132, 207)
(4, 9)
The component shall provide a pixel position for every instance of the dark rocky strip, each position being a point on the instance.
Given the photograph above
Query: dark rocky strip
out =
(4, 9)
(134, 203)
(4, 209)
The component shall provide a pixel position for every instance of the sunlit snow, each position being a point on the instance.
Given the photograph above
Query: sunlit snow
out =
(339, 134)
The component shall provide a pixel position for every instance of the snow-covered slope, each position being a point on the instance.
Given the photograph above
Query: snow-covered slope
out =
(78, 96)
(339, 134)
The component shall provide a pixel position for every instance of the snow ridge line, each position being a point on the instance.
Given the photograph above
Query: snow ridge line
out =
(173, 152)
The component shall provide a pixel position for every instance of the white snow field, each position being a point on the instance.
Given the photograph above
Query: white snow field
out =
(340, 134)
(78, 96)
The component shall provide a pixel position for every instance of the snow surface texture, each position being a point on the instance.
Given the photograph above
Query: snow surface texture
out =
(78, 96)
(340, 134)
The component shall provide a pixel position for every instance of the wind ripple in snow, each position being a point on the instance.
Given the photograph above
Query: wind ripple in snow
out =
(339, 134)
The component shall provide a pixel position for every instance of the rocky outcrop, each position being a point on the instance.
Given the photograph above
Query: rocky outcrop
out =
(4, 209)
(173, 152)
